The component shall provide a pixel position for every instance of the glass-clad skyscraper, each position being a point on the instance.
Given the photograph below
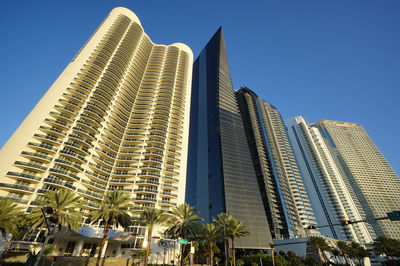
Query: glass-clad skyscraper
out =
(220, 174)
(284, 196)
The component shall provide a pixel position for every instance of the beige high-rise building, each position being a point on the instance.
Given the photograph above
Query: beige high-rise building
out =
(373, 182)
(116, 118)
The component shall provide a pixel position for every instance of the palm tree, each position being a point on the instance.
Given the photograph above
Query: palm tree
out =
(113, 211)
(385, 245)
(183, 222)
(211, 233)
(360, 252)
(64, 211)
(222, 221)
(344, 249)
(336, 253)
(319, 244)
(10, 217)
(151, 217)
(236, 229)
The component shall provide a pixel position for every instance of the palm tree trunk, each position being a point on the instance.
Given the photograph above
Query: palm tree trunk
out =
(319, 256)
(233, 251)
(146, 259)
(273, 256)
(44, 245)
(211, 253)
(325, 257)
(182, 250)
(226, 251)
(7, 247)
(103, 241)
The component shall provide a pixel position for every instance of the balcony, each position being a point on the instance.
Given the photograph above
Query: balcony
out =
(57, 123)
(129, 190)
(100, 168)
(169, 186)
(81, 140)
(142, 199)
(122, 181)
(42, 147)
(62, 117)
(90, 205)
(36, 156)
(99, 159)
(77, 148)
(90, 194)
(47, 138)
(86, 125)
(146, 191)
(169, 178)
(74, 156)
(94, 185)
(98, 177)
(19, 200)
(30, 166)
(166, 202)
(147, 182)
(53, 130)
(23, 176)
(168, 195)
(82, 130)
(149, 175)
(64, 173)
(17, 188)
(59, 183)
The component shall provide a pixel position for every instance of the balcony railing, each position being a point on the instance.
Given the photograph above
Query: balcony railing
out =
(16, 186)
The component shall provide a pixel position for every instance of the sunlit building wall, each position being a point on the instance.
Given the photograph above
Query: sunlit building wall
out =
(117, 118)
(376, 186)
(329, 195)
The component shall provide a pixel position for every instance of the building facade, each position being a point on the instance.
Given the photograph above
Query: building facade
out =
(284, 196)
(220, 173)
(329, 193)
(117, 118)
(376, 186)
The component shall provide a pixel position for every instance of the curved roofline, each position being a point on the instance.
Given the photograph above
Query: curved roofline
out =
(127, 12)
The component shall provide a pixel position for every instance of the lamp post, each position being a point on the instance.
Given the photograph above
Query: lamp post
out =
(50, 229)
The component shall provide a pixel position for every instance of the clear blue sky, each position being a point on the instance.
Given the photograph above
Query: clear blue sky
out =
(337, 60)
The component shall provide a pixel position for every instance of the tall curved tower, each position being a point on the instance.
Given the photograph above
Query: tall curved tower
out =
(115, 119)
(284, 197)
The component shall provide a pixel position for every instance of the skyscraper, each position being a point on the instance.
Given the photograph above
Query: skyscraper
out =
(329, 192)
(117, 118)
(376, 186)
(285, 199)
(220, 175)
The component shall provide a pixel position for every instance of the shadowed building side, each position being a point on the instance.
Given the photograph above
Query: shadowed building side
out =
(220, 176)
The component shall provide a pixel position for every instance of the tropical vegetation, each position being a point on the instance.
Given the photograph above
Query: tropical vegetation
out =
(151, 217)
(11, 218)
(62, 209)
(113, 211)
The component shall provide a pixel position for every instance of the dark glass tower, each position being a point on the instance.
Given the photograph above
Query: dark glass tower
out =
(285, 199)
(220, 175)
